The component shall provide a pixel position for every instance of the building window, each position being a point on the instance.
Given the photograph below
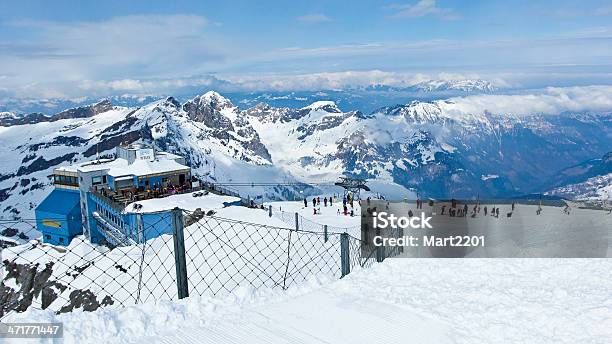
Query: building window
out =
(96, 180)
(104, 179)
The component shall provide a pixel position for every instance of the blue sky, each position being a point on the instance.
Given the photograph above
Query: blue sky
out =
(59, 49)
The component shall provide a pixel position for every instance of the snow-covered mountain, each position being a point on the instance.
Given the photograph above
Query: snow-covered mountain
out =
(466, 85)
(427, 147)
(590, 180)
(595, 188)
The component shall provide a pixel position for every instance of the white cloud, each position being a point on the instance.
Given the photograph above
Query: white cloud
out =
(552, 100)
(127, 46)
(314, 18)
(344, 79)
(423, 8)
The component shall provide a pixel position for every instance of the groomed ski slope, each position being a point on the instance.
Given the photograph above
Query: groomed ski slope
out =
(398, 301)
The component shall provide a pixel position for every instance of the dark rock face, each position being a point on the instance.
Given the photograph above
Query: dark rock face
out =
(113, 141)
(85, 111)
(32, 283)
(35, 283)
(42, 164)
(208, 111)
(80, 112)
(86, 300)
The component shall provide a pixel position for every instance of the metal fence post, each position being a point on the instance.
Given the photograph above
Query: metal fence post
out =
(325, 232)
(345, 266)
(179, 253)
(297, 221)
(380, 250)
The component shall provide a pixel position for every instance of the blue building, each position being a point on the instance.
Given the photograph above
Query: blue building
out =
(93, 198)
(59, 217)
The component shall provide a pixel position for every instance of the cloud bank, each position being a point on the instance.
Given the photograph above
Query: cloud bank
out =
(552, 100)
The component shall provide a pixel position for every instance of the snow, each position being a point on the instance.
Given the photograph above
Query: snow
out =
(594, 188)
(325, 215)
(319, 104)
(6, 114)
(397, 301)
(489, 176)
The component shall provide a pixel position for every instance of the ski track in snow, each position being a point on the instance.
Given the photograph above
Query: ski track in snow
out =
(398, 301)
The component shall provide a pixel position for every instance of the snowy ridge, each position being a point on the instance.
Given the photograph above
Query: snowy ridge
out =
(466, 85)
(439, 148)
(594, 188)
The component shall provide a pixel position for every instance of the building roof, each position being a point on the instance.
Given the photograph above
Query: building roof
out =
(120, 167)
(60, 202)
(163, 163)
(91, 165)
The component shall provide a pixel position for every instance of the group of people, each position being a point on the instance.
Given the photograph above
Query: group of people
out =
(347, 202)
(455, 211)
(316, 202)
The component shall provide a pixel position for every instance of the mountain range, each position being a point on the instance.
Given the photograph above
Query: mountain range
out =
(423, 148)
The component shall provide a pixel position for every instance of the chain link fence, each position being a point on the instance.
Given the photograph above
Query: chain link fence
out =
(187, 253)
(296, 220)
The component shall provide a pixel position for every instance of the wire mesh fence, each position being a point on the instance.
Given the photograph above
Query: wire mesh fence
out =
(296, 220)
(174, 254)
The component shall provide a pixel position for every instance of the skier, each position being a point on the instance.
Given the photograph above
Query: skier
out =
(443, 207)
(305, 203)
(330, 201)
(497, 212)
(319, 200)
(465, 210)
(325, 201)
(314, 202)
(485, 210)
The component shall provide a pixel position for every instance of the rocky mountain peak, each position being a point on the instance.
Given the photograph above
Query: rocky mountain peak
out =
(324, 105)
(85, 111)
(466, 85)
(212, 109)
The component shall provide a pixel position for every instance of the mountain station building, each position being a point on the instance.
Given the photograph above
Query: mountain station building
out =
(91, 198)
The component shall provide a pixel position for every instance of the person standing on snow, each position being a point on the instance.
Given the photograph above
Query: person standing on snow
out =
(325, 201)
(305, 203)
(314, 202)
